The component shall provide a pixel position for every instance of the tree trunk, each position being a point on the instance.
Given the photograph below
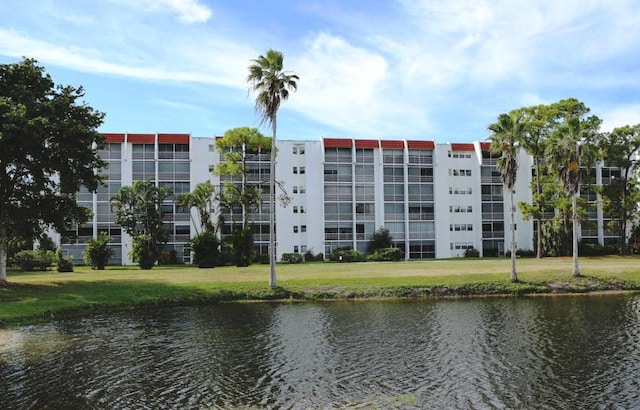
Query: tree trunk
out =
(3, 252)
(539, 227)
(514, 276)
(272, 211)
(574, 217)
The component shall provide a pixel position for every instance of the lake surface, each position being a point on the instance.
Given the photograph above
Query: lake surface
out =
(542, 352)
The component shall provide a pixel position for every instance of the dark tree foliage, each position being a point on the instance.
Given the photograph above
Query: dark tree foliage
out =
(48, 150)
(380, 239)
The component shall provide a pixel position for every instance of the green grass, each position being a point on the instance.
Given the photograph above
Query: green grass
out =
(37, 296)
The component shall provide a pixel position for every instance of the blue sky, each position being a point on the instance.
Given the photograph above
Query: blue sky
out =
(414, 69)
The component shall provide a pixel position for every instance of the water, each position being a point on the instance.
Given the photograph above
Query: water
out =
(542, 353)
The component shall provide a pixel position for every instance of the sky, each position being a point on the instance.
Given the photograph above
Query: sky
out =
(438, 70)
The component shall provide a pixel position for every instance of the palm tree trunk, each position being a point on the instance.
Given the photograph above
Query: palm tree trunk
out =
(574, 217)
(539, 218)
(3, 252)
(272, 211)
(514, 276)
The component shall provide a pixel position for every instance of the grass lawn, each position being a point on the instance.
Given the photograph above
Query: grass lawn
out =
(36, 296)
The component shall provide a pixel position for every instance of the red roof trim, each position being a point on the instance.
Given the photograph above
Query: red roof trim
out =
(367, 144)
(173, 138)
(421, 144)
(141, 138)
(392, 144)
(462, 147)
(113, 138)
(485, 146)
(337, 142)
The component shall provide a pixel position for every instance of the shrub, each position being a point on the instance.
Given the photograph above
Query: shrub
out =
(97, 252)
(387, 254)
(30, 260)
(242, 246)
(595, 249)
(292, 258)
(206, 250)
(471, 253)
(168, 257)
(144, 251)
(381, 239)
(346, 255)
(523, 253)
(310, 257)
(64, 263)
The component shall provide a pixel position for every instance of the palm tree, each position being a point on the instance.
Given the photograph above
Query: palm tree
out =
(507, 134)
(570, 150)
(200, 198)
(272, 84)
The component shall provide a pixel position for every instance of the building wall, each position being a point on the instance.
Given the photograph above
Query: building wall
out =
(437, 200)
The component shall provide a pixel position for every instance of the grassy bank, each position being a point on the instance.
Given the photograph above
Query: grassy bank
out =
(37, 296)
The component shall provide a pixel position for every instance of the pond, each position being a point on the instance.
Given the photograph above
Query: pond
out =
(538, 352)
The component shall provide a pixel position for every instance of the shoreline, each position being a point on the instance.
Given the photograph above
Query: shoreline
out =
(584, 285)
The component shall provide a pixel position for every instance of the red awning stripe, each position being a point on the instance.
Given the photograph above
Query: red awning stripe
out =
(421, 144)
(337, 142)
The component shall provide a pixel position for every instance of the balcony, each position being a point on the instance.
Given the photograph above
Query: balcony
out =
(492, 198)
(424, 216)
(491, 180)
(493, 235)
(499, 216)
(420, 178)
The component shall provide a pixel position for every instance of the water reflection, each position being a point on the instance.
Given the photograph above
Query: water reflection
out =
(568, 352)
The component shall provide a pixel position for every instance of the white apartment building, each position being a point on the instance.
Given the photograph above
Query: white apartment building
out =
(436, 199)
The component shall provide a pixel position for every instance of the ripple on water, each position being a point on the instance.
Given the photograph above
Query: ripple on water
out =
(480, 353)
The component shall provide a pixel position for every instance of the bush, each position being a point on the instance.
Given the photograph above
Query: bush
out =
(471, 253)
(168, 257)
(387, 254)
(144, 251)
(595, 249)
(292, 258)
(64, 263)
(242, 246)
(523, 253)
(97, 252)
(310, 257)
(206, 250)
(346, 255)
(381, 239)
(30, 260)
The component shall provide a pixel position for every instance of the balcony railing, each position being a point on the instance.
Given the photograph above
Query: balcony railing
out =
(493, 216)
(425, 216)
(491, 180)
(492, 234)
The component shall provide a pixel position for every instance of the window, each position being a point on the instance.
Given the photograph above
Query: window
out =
(303, 248)
(295, 150)
(303, 228)
(295, 209)
(301, 170)
(302, 190)
(298, 149)
(211, 148)
(295, 189)
(295, 249)
(295, 229)
(295, 170)
(302, 209)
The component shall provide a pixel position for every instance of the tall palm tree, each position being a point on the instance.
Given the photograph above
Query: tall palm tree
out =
(570, 150)
(272, 84)
(507, 134)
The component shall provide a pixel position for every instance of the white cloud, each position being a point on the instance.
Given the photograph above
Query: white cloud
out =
(347, 87)
(191, 65)
(620, 116)
(188, 11)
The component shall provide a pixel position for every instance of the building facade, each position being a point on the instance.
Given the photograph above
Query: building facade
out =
(436, 199)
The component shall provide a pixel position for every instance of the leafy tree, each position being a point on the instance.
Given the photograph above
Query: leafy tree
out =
(139, 212)
(507, 134)
(48, 143)
(570, 152)
(97, 252)
(534, 140)
(380, 239)
(620, 196)
(240, 145)
(272, 84)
